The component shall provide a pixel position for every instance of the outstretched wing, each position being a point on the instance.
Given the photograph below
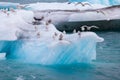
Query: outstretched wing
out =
(79, 3)
(100, 11)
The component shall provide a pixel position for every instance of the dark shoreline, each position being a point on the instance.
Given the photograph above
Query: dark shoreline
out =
(104, 25)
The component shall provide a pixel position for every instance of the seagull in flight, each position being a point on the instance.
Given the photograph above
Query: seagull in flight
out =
(38, 19)
(100, 11)
(83, 4)
(69, 2)
(88, 27)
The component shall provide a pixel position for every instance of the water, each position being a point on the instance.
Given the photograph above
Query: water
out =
(106, 67)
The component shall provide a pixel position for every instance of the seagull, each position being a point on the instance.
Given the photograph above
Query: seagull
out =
(64, 32)
(69, 2)
(100, 11)
(38, 34)
(47, 23)
(83, 28)
(60, 37)
(79, 33)
(55, 34)
(53, 37)
(88, 27)
(6, 12)
(74, 31)
(21, 6)
(38, 19)
(83, 4)
(12, 10)
(35, 28)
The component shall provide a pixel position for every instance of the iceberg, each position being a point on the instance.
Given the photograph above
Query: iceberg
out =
(43, 43)
(78, 50)
(2, 56)
(103, 2)
(8, 5)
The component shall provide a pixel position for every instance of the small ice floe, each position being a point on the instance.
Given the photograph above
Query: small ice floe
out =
(33, 76)
(2, 56)
(20, 78)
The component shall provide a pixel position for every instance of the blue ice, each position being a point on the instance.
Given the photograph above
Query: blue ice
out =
(80, 51)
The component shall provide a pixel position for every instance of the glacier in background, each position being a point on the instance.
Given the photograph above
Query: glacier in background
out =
(103, 2)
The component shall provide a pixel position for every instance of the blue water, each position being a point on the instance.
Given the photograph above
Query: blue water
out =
(106, 67)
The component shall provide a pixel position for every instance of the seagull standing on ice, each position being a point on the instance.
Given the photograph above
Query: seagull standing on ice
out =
(83, 28)
(38, 34)
(47, 23)
(74, 31)
(64, 32)
(35, 28)
(12, 10)
(55, 35)
(6, 12)
(61, 37)
(79, 33)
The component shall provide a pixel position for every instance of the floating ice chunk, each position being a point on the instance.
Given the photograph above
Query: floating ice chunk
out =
(71, 49)
(2, 56)
(20, 78)
(51, 52)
